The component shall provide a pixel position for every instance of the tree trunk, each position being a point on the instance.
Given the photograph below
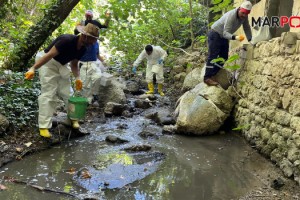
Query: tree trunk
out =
(191, 24)
(38, 34)
(3, 8)
(2, 3)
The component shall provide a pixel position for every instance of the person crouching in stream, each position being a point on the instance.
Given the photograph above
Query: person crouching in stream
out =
(155, 56)
(54, 74)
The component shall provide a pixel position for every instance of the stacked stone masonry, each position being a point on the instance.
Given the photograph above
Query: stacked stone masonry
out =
(269, 83)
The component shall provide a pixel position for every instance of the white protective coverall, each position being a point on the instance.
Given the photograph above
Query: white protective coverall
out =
(152, 64)
(55, 82)
(90, 74)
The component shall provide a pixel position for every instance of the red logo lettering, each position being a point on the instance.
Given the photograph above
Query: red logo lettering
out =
(294, 18)
(283, 20)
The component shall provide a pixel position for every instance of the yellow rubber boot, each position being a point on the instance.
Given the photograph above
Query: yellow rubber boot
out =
(75, 124)
(45, 133)
(151, 88)
(160, 89)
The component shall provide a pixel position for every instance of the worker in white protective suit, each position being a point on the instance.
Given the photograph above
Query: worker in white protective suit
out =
(90, 73)
(54, 74)
(155, 56)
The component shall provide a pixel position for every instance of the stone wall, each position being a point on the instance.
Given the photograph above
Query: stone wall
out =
(269, 111)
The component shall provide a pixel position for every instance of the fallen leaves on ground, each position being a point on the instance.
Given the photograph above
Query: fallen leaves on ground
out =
(19, 149)
(3, 187)
(85, 174)
(72, 170)
(28, 144)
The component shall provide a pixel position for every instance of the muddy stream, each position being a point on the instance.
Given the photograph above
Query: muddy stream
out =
(221, 166)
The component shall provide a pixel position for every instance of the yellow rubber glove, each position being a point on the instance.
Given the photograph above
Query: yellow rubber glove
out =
(78, 84)
(240, 37)
(29, 74)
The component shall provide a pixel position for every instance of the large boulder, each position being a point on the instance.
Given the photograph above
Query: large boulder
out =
(132, 87)
(192, 79)
(202, 110)
(161, 116)
(112, 108)
(224, 78)
(112, 92)
(196, 76)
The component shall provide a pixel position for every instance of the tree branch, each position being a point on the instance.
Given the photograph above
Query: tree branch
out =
(174, 47)
(39, 188)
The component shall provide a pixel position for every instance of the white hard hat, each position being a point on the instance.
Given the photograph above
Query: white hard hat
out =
(246, 5)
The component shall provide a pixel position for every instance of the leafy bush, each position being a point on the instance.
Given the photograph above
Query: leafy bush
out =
(18, 100)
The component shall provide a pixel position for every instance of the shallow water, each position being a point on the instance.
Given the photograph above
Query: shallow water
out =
(211, 167)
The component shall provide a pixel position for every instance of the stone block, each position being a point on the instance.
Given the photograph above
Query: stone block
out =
(298, 35)
(296, 70)
(293, 153)
(256, 53)
(265, 135)
(270, 113)
(289, 38)
(267, 69)
(249, 53)
(287, 167)
(287, 133)
(276, 155)
(286, 99)
(258, 119)
(297, 46)
(295, 123)
(276, 46)
(290, 49)
(282, 117)
(296, 139)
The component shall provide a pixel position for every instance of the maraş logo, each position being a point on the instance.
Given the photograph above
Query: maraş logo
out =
(275, 21)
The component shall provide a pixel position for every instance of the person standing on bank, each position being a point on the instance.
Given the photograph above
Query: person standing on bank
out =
(89, 18)
(155, 56)
(218, 38)
(54, 74)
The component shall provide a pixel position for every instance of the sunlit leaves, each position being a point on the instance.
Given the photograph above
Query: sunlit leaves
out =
(185, 20)
(230, 63)
(233, 67)
(201, 38)
(220, 5)
(218, 60)
(151, 22)
(233, 58)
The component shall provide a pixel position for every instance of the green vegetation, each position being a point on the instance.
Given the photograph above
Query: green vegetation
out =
(230, 63)
(18, 100)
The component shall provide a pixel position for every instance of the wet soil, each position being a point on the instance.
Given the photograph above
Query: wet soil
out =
(15, 146)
